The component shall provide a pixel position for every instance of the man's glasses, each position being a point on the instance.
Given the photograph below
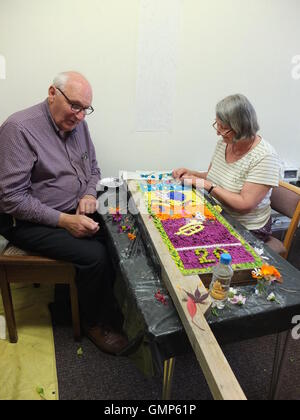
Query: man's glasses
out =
(221, 131)
(75, 107)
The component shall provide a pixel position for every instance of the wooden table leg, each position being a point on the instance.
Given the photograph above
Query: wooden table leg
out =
(75, 311)
(168, 378)
(8, 308)
(281, 353)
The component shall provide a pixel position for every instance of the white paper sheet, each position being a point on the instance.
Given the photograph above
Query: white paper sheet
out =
(157, 64)
(137, 175)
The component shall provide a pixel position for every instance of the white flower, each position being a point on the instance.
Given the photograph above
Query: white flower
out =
(271, 297)
(259, 251)
(232, 292)
(256, 273)
(200, 217)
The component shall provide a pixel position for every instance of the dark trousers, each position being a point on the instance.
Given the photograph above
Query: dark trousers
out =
(94, 271)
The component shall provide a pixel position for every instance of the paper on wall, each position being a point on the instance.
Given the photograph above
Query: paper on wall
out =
(157, 64)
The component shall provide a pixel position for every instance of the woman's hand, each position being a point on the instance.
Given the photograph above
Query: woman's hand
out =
(181, 172)
(195, 181)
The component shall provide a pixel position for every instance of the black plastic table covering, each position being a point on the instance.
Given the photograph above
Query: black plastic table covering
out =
(155, 329)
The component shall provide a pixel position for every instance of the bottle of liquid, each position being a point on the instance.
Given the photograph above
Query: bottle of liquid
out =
(220, 284)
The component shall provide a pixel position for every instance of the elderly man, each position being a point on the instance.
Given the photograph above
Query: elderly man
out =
(48, 177)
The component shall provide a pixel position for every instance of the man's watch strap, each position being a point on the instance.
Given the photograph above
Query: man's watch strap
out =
(211, 188)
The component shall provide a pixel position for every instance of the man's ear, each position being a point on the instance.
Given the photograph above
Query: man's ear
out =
(51, 94)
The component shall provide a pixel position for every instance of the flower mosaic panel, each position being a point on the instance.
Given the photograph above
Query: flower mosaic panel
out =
(195, 231)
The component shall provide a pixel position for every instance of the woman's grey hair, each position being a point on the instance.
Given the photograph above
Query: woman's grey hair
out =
(61, 80)
(238, 113)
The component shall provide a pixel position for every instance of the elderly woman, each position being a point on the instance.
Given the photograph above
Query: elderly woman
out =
(244, 167)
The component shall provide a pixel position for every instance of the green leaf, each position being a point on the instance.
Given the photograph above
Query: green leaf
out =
(80, 352)
(41, 392)
(215, 312)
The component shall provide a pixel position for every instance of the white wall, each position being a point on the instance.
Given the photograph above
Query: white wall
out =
(222, 47)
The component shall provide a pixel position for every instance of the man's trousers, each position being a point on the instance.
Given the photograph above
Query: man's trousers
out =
(94, 273)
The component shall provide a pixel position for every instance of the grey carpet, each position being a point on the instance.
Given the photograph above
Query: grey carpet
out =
(97, 376)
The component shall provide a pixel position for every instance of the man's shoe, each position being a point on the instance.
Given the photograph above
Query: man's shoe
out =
(106, 339)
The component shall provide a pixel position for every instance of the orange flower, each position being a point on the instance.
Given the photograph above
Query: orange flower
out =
(208, 214)
(267, 273)
(270, 270)
(131, 236)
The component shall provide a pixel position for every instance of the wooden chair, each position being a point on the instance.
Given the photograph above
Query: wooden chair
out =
(18, 266)
(285, 199)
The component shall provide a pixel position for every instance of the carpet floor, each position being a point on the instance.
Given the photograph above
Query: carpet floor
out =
(97, 376)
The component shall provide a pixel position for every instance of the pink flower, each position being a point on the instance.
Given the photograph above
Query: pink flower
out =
(238, 300)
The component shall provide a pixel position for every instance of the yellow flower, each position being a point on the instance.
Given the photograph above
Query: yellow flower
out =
(218, 209)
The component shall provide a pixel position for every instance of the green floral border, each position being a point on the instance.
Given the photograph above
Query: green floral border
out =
(176, 257)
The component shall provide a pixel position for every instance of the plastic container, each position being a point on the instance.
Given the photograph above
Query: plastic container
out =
(220, 284)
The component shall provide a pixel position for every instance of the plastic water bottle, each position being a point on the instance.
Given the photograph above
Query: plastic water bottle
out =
(220, 284)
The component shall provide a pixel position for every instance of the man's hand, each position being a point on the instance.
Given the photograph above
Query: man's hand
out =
(87, 205)
(79, 226)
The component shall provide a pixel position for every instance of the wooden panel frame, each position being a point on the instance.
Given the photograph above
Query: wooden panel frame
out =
(217, 371)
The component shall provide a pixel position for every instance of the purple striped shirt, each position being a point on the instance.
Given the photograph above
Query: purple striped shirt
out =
(42, 174)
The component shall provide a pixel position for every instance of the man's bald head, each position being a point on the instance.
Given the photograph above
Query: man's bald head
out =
(69, 77)
(78, 91)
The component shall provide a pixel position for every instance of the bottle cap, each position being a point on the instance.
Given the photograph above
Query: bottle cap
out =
(226, 259)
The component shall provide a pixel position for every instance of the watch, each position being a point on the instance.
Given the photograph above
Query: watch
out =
(211, 188)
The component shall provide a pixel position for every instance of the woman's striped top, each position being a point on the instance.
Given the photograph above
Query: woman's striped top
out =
(260, 166)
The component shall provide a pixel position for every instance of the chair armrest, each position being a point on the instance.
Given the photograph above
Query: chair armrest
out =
(290, 187)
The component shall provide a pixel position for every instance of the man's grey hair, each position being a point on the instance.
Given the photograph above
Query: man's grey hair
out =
(61, 80)
(238, 113)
